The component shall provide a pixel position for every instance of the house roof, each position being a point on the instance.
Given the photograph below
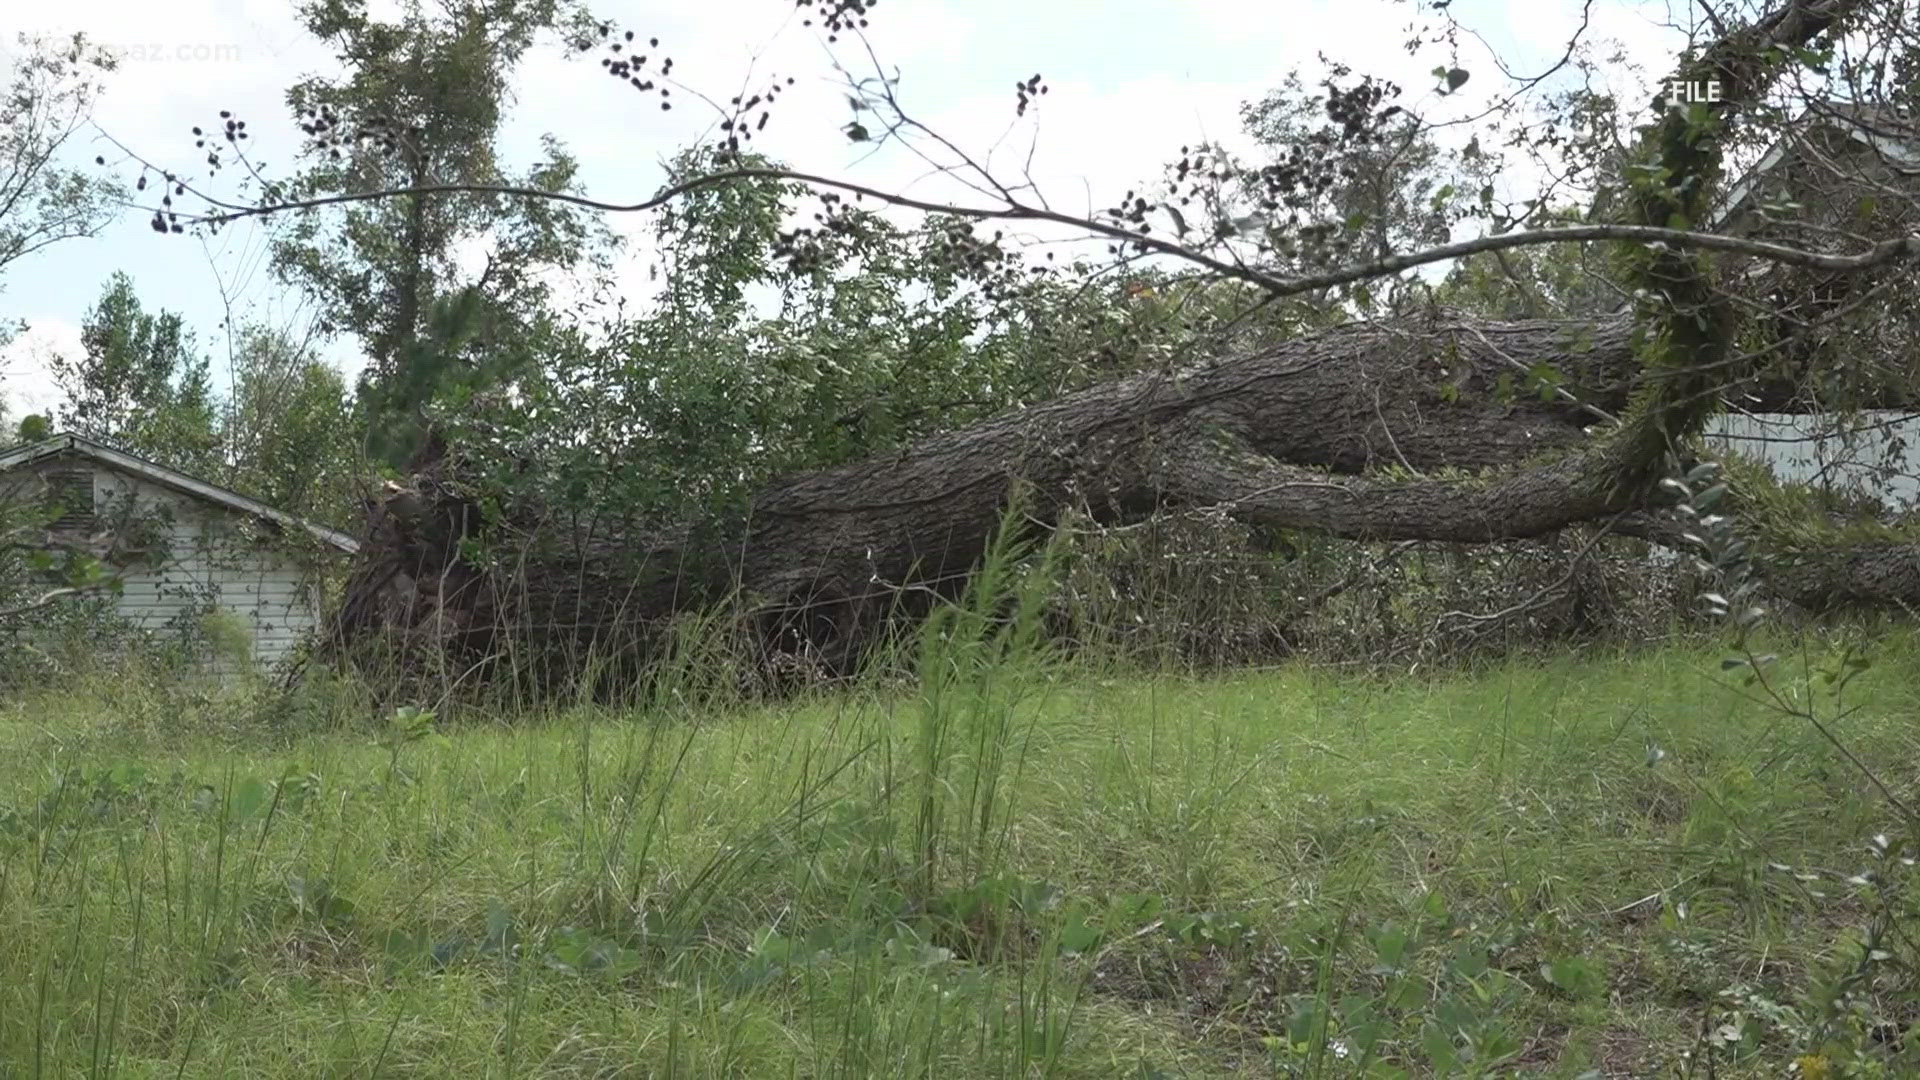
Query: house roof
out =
(1883, 132)
(165, 477)
(1894, 137)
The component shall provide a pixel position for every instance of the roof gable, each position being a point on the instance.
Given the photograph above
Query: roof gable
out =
(159, 474)
(1882, 133)
(1888, 134)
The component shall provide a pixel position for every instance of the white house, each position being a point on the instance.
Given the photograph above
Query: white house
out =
(1836, 159)
(198, 546)
(1874, 455)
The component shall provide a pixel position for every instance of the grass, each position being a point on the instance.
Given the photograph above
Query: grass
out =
(1155, 877)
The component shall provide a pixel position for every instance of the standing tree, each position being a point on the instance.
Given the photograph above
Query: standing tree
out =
(33, 428)
(421, 105)
(48, 97)
(288, 429)
(138, 382)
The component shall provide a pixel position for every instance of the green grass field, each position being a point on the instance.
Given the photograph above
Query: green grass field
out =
(1609, 865)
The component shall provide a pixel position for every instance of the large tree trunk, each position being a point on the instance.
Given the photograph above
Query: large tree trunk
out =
(1373, 431)
(1282, 438)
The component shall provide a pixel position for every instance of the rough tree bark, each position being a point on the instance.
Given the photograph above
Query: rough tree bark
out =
(1282, 437)
(1296, 436)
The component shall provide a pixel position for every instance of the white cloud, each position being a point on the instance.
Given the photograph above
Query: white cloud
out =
(1130, 83)
(25, 377)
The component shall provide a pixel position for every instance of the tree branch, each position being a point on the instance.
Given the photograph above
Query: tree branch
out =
(44, 600)
(1883, 253)
(1206, 469)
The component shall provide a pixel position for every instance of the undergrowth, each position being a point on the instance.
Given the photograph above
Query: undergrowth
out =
(1595, 865)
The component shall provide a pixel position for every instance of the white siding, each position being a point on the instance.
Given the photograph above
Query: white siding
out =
(213, 554)
(1877, 455)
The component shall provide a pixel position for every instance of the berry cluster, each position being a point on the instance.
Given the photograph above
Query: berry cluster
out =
(837, 16)
(1000, 273)
(631, 67)
(166, 219)
(323, 126)
(1358, 110)
(1307, 171)
(1025, 93)
(806, 250)
(740, 125)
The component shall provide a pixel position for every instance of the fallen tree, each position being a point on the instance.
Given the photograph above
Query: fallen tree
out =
(1378, 431)
(827, 552)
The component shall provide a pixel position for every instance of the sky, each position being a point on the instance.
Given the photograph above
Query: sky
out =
(1130, 82)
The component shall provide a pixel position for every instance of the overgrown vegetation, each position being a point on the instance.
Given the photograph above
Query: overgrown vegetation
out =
(1604, 865)
(1048, 807)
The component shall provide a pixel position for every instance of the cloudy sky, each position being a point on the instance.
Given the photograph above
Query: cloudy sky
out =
(1130, 82)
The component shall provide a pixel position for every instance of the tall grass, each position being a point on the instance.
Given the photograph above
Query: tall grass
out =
(1011, 868)
(979, 661)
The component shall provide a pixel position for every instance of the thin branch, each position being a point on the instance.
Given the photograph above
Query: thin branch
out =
(1561, 391)
(1540, 596)
(44, 600)
(1883, 253)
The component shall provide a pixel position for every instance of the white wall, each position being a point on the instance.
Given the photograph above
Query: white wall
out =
(217, 553)
(1877, 454)
(213, 553)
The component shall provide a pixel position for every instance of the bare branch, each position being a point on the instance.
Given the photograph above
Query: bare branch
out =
(1883, 253)
(45, 599)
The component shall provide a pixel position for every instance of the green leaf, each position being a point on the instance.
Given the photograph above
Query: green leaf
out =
(777, 948)
(248, 797)
(1438, 1046)
(1389, 946)
(1469, 960)
(1137, 909)
(404, 946)
(1572, 975)
(1078, 937)
(1545, 379)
